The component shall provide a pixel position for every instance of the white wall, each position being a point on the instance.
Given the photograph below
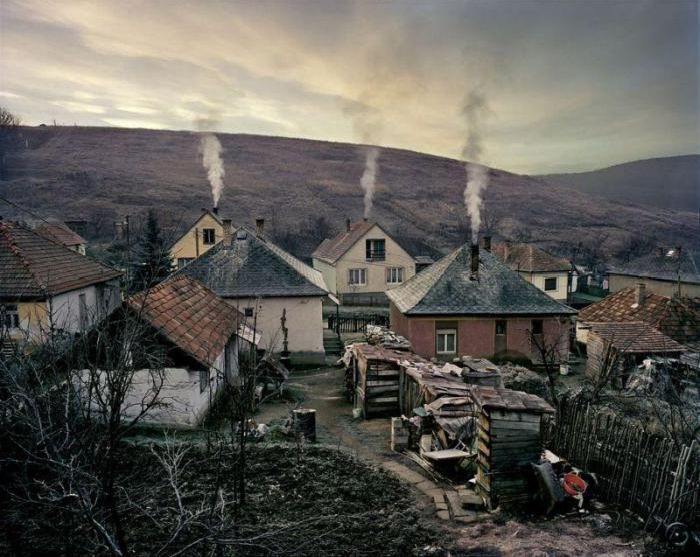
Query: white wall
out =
(65, 308)
(329, 275)
(537, 279)
(304, 321)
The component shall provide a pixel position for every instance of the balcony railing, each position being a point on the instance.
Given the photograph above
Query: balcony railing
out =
(376, 256)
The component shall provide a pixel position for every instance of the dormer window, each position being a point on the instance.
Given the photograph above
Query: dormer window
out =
(375, 250)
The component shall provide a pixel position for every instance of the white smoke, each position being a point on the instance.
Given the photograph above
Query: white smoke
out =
(210, 149)
(477, 175)
(369, 178)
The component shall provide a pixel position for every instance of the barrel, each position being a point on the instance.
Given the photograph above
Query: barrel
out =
(305, 423)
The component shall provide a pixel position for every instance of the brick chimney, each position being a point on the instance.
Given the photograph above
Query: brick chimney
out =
(640, 294)
(228, 230)
(475, 261)
(259, 227)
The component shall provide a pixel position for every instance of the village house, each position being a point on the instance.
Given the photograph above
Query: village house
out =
(361, 263)
(59, 232)
(266, 283)
(198, 342)
(547, 272)
(469, 303)
(618, 348)
(669, 272)
(206, 232)
(45, 286)
(677, 318)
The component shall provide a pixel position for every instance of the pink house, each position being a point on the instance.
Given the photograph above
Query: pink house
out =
(469, 303)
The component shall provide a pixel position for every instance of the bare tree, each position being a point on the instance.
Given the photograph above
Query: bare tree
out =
(9, 125)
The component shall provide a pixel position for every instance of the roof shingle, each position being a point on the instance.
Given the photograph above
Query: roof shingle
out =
(636, 337)
(251, 266)
(59, 232)
(32, 266)
(446, 288)
(190, 316)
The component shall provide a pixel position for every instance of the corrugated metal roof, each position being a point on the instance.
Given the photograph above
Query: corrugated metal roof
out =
(32, 266)
(446, 288)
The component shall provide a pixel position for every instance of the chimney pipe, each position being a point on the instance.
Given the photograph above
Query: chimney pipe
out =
(475, 261)
(228, 231)
(487, 243)
(347, 225)
(640, 294)
(259, 227)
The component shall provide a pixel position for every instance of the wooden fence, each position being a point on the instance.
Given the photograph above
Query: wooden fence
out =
(648, 474)
(356, 323)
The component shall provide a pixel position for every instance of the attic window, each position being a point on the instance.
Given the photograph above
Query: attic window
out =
(550, 283)
(208, 236)
(375, 250)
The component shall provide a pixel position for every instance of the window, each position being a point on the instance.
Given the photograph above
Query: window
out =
(537, 327)
(248, 312)
(550, 283)
(182, 261)
(208, 236)
(375, 250)
(394, 275)
(203, 380)
(9, 316)
(500, 327)
(446, 341)
(357, 276)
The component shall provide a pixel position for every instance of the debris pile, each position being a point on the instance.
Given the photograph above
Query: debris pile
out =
(520, 378)
(380, 335)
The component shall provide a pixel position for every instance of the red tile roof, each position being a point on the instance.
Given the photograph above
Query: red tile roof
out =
(32, 266)
(529, 258)
(59, 232)
(678, 318)
(636, 337)
(330, 250)
(190, 316)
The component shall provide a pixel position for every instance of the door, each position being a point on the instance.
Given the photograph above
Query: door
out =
(500, 343)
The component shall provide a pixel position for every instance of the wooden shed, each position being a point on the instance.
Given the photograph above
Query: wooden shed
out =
(422, 382)
(510, 438)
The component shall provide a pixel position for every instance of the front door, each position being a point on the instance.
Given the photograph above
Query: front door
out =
(500, 342)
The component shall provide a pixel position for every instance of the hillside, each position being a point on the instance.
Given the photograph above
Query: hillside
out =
(101, 174)
(667, 183)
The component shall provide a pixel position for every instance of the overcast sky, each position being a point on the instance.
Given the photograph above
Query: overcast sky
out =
(570, 85)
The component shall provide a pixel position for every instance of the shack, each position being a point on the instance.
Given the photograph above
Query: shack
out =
(509, 439)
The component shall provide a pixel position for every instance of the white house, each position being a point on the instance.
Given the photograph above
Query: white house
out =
(45, 285)
(265, 283)
(361, 263)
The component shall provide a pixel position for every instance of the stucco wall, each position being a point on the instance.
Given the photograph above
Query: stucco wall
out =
(356, 258)
(537, 279)
(304, 321)
(191, 243)
(328, 272)
(665, 288)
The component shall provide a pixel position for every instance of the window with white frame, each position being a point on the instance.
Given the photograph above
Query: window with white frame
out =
(394, 275)
(208, 236)
(357, 276)
(446, 341)
(550, 283)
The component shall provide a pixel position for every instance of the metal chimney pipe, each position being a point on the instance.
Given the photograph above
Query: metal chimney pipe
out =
(259, 227)
(475, 261)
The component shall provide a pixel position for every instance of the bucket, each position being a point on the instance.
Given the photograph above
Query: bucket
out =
(573, 485)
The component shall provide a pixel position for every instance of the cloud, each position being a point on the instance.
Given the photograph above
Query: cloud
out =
(571, 85)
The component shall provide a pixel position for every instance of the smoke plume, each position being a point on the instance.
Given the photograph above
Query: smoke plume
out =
(477, 175)
(210, 148)
(369, 178)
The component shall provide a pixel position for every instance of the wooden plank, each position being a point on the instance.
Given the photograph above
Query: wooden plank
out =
(497, 415)
(373, 392)
(447, 454)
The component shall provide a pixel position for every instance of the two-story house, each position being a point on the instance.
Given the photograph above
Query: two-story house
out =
(207, 231)
(546, 271)
(46, 286)
(361, 263)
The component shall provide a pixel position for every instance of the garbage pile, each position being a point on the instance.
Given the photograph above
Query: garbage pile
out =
(563, 487)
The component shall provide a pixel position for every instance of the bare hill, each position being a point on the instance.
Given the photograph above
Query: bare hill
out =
(101, 174)
(667, 183)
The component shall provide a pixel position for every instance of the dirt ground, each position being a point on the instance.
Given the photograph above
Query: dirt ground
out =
(496, 534)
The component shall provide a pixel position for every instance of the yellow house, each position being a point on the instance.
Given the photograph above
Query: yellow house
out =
(207, 231)
(47, 286)
(362, 263)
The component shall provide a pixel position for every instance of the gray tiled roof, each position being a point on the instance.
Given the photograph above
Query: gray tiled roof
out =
(446, 288)
(250, 266)
(662, 265)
